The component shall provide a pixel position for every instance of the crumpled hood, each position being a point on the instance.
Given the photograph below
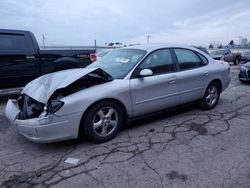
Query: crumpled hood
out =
(43, 87)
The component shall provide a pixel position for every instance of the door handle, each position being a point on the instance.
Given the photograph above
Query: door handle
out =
(206, 73)
(30, 57)
(172, 81)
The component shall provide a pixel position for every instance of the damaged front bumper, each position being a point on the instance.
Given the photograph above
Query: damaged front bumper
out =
(47, 129)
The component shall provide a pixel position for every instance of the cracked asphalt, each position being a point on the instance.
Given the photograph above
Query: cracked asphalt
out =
(187, 147)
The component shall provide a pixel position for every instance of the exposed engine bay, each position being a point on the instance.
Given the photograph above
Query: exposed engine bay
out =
(30, 108)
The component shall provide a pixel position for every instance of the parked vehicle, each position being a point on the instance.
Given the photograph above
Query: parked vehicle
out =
(244, 74)
(225, 55)
(96, 101)
(202, 49)
(245, 56)
(116, 44)
(102, 53)
(21, 60)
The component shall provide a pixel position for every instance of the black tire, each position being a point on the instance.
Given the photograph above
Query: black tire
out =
(236, 61)
(204, 103)
(87, 124)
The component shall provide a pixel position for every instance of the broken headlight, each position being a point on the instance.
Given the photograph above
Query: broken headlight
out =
(29, 108)
(52, 107)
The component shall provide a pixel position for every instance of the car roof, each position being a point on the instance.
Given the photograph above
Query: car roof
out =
(153, 47)
(13, 31)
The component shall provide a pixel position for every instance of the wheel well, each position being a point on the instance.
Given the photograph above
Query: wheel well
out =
(65, 65)
(124, 111)
(217, 81)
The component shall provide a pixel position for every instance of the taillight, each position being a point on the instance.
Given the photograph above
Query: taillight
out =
(92, 57)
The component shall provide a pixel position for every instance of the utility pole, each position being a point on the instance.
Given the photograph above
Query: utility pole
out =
(95, 44)
(44, 40)
(148, 37)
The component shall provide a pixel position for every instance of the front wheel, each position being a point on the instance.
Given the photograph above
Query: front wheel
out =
(211, 97)
(102, 122)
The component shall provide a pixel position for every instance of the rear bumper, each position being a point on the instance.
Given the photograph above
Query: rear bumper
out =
(47, 129)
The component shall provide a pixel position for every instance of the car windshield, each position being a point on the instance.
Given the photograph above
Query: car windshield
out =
(102, 53)
(119, 62)
(219, 52)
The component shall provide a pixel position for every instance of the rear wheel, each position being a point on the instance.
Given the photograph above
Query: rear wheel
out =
(211, 96)
(102, 122)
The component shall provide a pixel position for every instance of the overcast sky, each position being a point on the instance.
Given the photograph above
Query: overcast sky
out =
(79, 22)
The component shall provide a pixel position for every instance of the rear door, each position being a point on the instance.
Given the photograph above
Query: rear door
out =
(192, 75)
(158, 91)
(18, 61)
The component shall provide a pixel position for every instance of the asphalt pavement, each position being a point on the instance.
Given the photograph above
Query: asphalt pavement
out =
(187, 147)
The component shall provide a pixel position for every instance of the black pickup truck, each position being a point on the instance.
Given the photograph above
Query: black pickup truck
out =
(21, 59)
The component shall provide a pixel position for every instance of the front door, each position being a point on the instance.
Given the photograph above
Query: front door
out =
(158, 91)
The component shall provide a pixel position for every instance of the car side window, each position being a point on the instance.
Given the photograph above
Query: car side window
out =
(188, 59)
(203, 58)
(12, 42)
(159, 62)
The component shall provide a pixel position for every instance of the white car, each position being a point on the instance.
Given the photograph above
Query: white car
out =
(96, 101)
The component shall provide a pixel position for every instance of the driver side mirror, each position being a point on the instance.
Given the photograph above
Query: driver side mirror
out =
(146, 73)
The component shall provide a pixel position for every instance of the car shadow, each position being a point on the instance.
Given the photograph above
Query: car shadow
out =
(156, 116)
(132, 124)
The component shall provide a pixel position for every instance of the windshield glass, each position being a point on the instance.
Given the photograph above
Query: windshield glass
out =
(119, 62)
(102, 53)
(219, 52)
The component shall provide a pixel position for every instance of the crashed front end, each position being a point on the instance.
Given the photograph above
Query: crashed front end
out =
(32, 122)
(38, 121)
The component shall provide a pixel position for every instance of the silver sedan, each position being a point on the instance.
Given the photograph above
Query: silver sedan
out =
(96, 101)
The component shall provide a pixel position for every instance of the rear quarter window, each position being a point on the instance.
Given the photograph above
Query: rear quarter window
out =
(203, 58)
(188, 59)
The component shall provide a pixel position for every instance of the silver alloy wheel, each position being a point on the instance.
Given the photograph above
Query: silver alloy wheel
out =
(105, 121)
(212, 95)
